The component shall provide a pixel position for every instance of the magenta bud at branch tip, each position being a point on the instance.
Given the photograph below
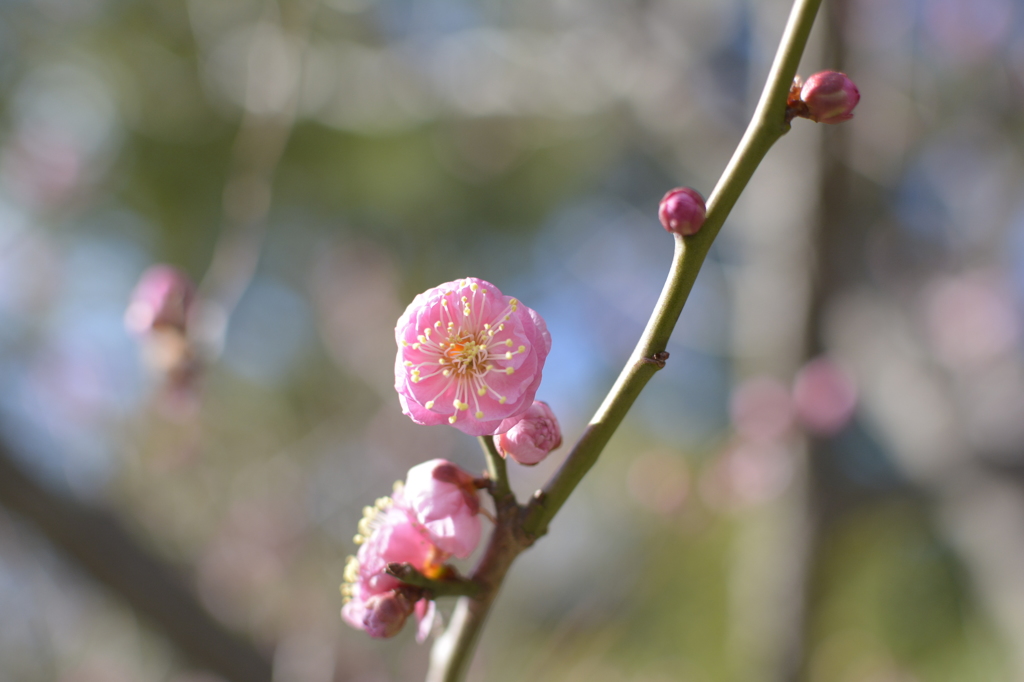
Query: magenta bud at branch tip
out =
(829, 96)
(682, 211)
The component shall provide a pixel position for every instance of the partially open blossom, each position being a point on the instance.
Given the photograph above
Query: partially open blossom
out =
(533, 436)
(824, 397)
(163, 298)
(468, 356)
(374, 600)
(682, 211)
(444, 500)
(830, 97)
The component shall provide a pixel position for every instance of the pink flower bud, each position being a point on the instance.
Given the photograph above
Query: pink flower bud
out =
(444, 500)
(381, 615)
(824, 397)
(468, 356)
(682, 211)
(830, 97)
(530, 438)
(162, 299)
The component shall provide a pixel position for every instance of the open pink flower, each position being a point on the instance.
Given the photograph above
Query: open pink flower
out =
(443, 498)
(530, 439)
(375, 601)
(468, 356)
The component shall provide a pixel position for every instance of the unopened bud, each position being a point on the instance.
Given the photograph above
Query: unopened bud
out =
(535, 435)
(386, 613)
(829, 96)
(163, 298)
(682, 211)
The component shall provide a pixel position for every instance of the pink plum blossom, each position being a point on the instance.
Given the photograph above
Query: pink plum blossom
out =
(375, 601)
(468, 356)
(163, 298)
(529, 439)
(444, 500)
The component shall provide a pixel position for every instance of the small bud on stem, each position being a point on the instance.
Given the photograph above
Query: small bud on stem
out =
(826, 97)
(682, 211)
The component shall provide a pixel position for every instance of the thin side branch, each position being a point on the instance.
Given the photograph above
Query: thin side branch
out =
(451, 585)
(496, 469)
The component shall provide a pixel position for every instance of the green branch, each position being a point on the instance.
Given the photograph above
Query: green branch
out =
(766, 127)
(517, 527)
(451, 585)
(496, 469)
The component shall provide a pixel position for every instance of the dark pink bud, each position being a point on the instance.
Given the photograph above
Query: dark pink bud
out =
(163, 298)
(682, 211)
(531, 438)
(830, 97)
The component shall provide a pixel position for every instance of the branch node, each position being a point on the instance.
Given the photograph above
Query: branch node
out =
(658, 359)
(450, 584)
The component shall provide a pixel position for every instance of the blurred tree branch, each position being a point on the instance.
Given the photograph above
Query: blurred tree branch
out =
(94, 540)
(265, 128)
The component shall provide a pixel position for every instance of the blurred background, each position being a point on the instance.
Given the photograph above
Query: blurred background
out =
(826, 483)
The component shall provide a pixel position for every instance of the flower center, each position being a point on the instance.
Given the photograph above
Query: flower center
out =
(463, 355)
(466, 353)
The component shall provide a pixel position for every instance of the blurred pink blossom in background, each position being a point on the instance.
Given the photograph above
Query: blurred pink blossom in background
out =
(824, 397)
(761, 409)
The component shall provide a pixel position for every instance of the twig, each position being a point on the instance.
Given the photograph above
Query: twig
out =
(518, 527)
(453, 585)
(497, 472)
(766, 127)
